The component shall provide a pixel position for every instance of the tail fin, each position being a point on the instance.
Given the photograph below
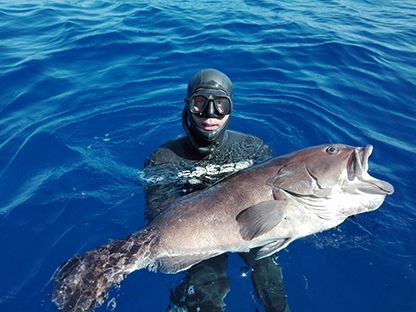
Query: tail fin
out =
(81, 283)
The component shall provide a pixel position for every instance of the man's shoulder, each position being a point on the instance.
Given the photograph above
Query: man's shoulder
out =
(168, 151)
(172, 144)
(236, 136)
(248, 146)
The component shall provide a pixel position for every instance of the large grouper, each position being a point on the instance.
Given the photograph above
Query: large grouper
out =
(266, 206)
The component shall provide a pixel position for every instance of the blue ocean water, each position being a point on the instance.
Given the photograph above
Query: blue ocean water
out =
(90, 88)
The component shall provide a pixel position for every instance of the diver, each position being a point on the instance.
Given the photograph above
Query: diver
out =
(208, 153)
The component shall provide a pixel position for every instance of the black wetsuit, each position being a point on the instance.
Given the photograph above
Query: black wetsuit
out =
(176, 169)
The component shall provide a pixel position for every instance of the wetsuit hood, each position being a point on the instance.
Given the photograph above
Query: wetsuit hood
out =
(210, 78)
(207, 81)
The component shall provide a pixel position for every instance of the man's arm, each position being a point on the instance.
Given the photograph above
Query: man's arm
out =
(161, 188)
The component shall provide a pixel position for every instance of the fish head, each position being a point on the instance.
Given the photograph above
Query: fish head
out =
(332, 178)
(367, 191)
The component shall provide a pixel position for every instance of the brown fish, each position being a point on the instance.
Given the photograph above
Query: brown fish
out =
(268, 206)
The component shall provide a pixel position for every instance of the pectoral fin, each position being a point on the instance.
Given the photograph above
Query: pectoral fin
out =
(273, 247)
(261, 218)
(173, 264)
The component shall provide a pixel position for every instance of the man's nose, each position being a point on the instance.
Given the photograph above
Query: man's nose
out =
(211, 113)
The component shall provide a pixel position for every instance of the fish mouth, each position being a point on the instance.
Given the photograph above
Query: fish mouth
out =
(359, 168)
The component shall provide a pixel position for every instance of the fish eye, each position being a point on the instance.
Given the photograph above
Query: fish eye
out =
(331, 150)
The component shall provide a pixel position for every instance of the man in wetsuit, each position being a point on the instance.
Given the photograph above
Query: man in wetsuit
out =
(208, 153)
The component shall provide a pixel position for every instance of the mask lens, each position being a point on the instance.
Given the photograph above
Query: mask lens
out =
(198, 104)
(222, 105)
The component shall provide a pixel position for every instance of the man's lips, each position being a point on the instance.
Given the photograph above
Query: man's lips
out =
(210, 126)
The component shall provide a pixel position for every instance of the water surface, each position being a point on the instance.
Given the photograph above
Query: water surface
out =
(91, 88)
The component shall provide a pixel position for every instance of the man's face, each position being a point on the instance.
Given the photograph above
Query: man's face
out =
(210, 124)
